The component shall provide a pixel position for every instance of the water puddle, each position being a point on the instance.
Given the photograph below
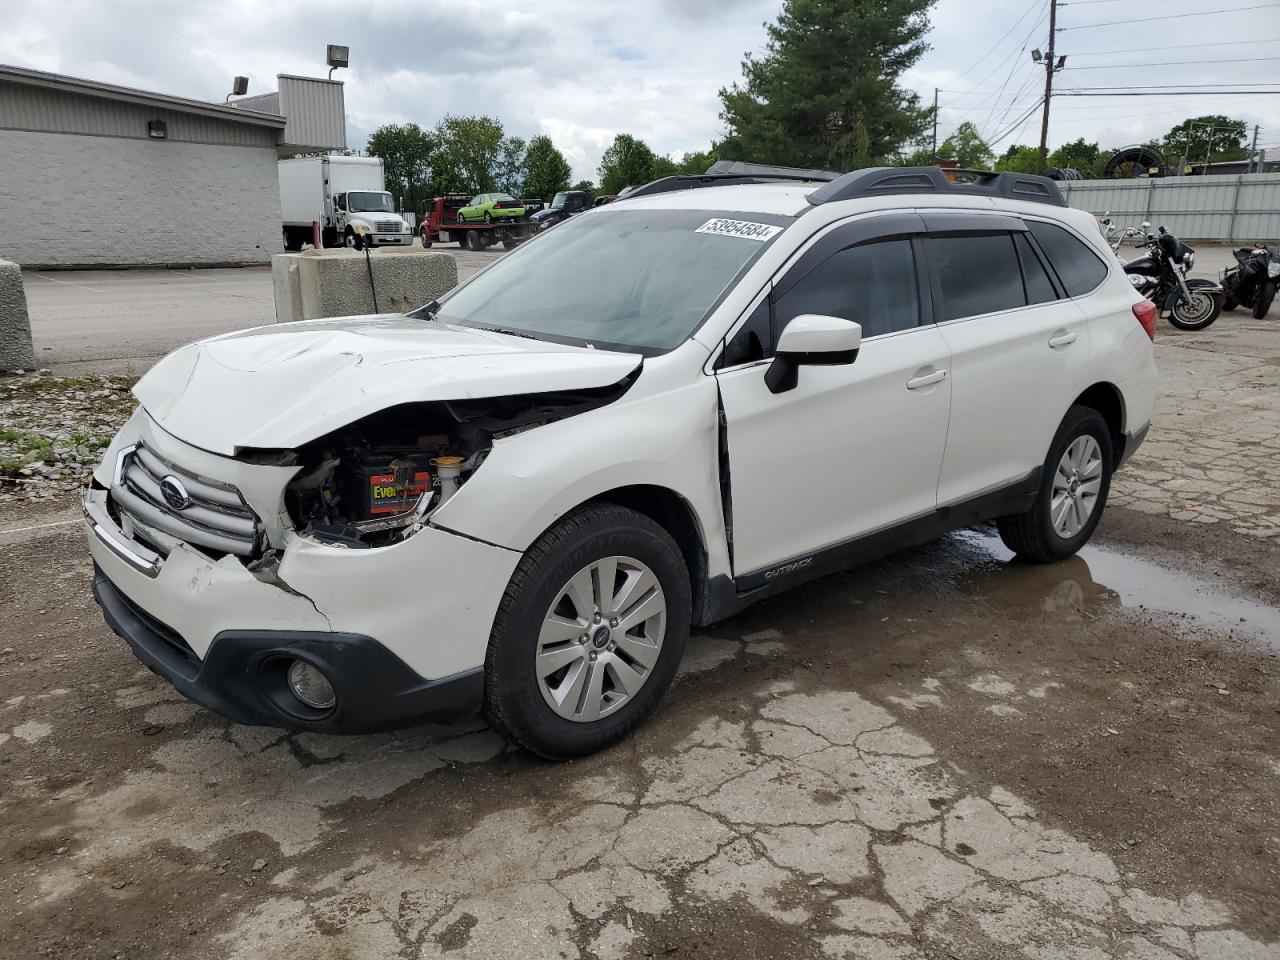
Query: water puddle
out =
(1082, 586)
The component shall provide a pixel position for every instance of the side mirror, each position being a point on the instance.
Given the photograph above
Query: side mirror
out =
(814, 340)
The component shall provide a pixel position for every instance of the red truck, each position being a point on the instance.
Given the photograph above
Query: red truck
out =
(440, 224)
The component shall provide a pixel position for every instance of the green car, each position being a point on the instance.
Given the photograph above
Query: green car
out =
(490, 207)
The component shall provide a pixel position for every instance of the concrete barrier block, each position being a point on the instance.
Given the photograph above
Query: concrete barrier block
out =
(16, 352)
(335, 283)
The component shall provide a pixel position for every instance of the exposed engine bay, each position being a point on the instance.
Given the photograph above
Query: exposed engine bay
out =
(378, 480)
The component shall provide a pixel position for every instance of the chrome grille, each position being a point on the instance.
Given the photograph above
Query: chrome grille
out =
(388, 226)
(195, 509)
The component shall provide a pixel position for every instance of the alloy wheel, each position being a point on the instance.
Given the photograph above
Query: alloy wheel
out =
(601, 639)
(1076, 485)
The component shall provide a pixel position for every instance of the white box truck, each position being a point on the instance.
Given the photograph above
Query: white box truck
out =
(341, 194)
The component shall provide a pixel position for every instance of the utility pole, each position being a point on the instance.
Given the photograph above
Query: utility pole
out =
(935, 125)
(1048, 85)
(1253, 149)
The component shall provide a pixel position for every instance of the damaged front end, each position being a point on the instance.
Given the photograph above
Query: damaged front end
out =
(378, 481)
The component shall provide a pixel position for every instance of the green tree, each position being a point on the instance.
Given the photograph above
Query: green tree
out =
(546, 171)
(626, 162)
(696, 161)
(825, 91)
(967, 147)
(1215, 136)
(920, 156)
(510, 169)
(586, 186)
(406, 152)
(1020, 159)
(1078, 155)
(469, 155)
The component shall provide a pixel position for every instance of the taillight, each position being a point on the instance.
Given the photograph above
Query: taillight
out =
(1146, 313)
(497, 205)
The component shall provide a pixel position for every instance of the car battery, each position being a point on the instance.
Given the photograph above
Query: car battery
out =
(390, 482)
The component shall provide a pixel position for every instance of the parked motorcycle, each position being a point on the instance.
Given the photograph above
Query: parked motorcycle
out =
(1161, 277)
(1252, 281)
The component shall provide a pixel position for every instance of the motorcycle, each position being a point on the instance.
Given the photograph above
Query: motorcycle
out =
(1252, 281)
(1161, 277)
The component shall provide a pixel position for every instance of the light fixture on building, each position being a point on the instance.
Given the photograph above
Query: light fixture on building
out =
(239, 87)
(337, 56)
(157, 129)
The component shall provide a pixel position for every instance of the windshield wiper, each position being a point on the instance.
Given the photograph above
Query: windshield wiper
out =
(509, 332)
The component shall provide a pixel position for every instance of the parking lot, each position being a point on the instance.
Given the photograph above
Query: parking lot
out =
(122, 321)
(946, 754)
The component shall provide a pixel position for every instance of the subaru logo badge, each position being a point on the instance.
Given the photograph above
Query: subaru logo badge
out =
(174, 493)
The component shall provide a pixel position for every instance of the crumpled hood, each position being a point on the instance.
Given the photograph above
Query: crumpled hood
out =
(279, 386)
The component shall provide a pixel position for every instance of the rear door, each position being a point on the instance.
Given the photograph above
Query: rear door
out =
(1019, 350)
(853, 447)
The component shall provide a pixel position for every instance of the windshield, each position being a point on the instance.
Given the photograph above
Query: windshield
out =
(559, 201)
(358, 202)
(642, 279)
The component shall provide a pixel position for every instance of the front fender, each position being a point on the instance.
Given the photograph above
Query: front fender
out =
(529, 481)
(1211, 285)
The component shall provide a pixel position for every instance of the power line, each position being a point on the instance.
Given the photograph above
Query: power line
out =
(1022, 119)
(982, 59)
(1173, 93)
(1172, 63)
(1000, 66)
(1180, 46)
(1170, 16)
(1177, 86)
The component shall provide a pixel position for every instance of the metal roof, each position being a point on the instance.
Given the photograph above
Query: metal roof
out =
(110, 91)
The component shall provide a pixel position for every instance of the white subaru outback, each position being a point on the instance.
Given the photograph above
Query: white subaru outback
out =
(519, 498)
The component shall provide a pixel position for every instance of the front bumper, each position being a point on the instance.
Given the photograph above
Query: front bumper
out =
(407, 623)
(242, 675)
(392, 239)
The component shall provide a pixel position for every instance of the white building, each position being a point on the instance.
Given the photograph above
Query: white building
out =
(93, 174)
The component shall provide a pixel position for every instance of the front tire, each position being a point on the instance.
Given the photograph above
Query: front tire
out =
(1198, 312)
(1073, 491)
(1266, 293)
(589, 633)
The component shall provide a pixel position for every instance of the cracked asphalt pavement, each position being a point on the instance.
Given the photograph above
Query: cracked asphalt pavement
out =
(944, 755)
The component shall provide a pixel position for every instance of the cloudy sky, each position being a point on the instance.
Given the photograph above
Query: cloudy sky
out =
(583, 70)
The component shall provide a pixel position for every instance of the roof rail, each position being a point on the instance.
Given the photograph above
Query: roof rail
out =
(743, 167)
(878, 181)
(724, 173)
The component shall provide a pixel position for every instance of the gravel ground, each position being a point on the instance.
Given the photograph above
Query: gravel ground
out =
(53, 431)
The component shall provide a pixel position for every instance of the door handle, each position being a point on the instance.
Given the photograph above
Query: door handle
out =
(926, 380)
(1064, 339)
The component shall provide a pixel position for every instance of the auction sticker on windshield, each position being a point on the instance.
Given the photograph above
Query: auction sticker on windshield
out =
(744, 229)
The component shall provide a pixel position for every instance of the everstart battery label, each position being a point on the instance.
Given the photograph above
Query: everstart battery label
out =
(386, 497)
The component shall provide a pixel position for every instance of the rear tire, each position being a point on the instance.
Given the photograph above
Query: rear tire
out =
(529, 664)
(1266, 294)
(1070, 485)
(473, 240)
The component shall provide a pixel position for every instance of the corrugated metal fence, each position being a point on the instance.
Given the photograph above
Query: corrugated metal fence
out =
(1243, 207)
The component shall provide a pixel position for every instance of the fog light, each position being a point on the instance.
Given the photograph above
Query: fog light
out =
(311, 686)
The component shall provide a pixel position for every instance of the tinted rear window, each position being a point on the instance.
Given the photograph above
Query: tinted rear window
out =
(1079, 269)
(978, 274)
